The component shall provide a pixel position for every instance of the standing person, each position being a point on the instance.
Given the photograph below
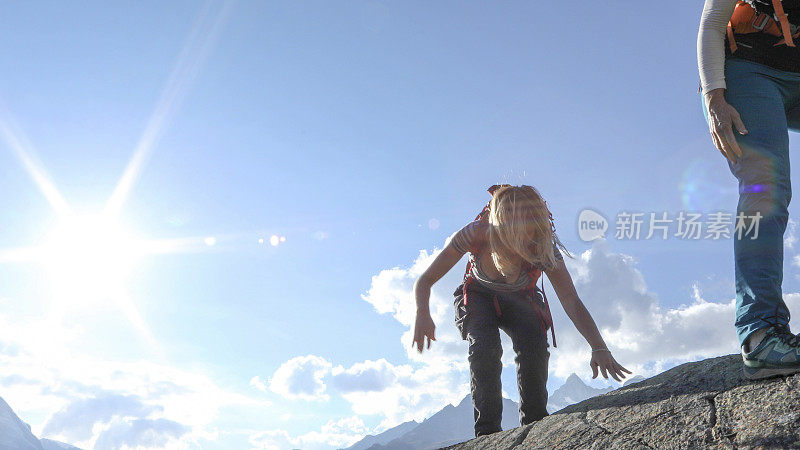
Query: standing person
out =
(510, 243)
(750, 80)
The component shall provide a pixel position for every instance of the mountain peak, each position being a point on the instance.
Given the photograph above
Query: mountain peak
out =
(574, 379)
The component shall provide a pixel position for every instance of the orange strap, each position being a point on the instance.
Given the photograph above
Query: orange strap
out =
(731, 39)
(783, 19)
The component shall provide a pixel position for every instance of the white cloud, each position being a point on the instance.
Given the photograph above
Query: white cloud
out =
(367, 376)
(78, 418)
(301, 378)
(790, 238)
(334, 434)
(92, 401)
(138, 433)
(259, 384)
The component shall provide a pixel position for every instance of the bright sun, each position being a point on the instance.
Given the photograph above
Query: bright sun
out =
(89, 258)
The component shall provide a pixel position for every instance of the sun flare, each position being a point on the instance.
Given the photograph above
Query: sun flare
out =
(89, 257)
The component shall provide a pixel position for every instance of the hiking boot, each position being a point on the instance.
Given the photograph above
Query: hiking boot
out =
(778, 353)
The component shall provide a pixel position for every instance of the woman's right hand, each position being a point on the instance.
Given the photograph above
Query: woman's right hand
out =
(605, 362)
(423, 327)
(721, 119)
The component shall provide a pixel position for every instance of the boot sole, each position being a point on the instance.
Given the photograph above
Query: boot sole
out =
(752, 373)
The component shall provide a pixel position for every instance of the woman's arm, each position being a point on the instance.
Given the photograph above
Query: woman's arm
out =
(711, 43)
(565, 290)
(711, 64)
(424, 326)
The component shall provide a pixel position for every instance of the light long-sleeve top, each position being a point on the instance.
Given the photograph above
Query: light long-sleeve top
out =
(711, 43)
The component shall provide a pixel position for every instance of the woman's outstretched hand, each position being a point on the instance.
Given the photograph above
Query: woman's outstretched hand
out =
(722, 117)
(423, 328)
(607, 365)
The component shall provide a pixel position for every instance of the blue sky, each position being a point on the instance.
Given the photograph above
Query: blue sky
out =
(362, 133)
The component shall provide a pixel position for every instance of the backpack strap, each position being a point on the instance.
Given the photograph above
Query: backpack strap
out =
(545, 317)
(783, 19)
(746, 19)
(731, 42)
(475, 249)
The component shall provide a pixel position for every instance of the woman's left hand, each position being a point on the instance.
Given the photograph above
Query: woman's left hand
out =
(607, 365)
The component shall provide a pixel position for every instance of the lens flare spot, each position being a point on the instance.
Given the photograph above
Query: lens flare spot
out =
(705, 186)
(433, 224)
(210, 241)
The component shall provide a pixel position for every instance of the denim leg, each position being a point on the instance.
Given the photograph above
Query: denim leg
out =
(485, 367)
(759, 96)
(521, 322)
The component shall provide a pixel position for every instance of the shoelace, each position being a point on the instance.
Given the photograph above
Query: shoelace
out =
(781, 331)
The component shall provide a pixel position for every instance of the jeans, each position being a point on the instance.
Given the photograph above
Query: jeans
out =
(480, 325)
(768, 101)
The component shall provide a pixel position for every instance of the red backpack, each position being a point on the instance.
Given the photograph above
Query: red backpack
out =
(477, 247)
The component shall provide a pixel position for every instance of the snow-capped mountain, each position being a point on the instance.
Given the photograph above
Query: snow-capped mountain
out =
(385, 437)
(451, 425)
(635, 379)
(16, 434)
(574, 390)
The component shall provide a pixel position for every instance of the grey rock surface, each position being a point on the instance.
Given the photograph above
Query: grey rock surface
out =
(704, 404)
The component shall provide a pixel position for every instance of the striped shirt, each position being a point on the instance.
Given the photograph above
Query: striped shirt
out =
(462, 239)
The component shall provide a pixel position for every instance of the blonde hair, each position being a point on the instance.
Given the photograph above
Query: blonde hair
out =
(511, 211)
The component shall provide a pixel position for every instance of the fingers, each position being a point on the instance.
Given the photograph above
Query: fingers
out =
(715, 137)
(737, 122)
(718, 144)
(607, 365)
(419, 339)
(721, 125)
(729, 143)
(420, 335)
(431, 337)
(622, 369)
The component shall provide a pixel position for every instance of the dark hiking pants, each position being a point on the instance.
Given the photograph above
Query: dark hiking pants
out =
(479, 324)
